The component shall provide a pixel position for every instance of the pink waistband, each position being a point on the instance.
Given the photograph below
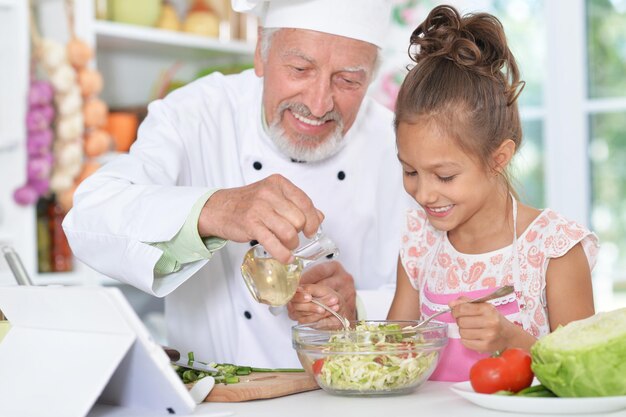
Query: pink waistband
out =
(504, 309)
(442, 301)
(446, 298)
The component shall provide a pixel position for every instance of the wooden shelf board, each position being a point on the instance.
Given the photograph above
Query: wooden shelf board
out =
(111, 35)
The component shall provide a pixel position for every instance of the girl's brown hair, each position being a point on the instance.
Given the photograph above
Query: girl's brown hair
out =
(465, 79)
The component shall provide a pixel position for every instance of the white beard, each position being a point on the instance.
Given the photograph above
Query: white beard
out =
(299, 148)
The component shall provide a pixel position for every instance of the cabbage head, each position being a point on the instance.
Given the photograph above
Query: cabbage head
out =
(585, 358)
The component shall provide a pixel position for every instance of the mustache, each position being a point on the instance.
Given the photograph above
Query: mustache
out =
(304, 111)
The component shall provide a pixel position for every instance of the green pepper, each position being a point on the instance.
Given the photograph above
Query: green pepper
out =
(276, 369)
(243, 370)
(536, 391)
(227, 373)
(231, 379)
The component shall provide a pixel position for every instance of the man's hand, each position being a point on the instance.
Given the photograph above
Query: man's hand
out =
(272, 211)
(329, 282)
(302, 310)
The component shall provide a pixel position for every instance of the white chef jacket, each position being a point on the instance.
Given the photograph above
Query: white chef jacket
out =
(206, 135)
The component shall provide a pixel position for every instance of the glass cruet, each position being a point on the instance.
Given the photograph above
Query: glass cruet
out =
(274, 283)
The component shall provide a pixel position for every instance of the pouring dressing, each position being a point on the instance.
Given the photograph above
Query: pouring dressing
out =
(273, 283)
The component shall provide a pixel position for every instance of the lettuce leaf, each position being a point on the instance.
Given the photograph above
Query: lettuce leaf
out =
(585, 358)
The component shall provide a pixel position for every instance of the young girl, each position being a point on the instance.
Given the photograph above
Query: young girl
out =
(457, 128)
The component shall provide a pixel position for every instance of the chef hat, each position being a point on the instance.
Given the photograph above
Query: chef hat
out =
(365, 20)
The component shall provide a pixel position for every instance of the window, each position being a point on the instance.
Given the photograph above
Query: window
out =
(606, 111)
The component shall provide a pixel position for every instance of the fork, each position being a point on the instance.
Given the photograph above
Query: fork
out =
(344, 321)
(500, 292)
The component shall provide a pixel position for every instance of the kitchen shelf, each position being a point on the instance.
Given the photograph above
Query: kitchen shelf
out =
(119, 36)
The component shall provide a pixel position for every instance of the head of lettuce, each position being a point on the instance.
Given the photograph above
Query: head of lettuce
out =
(585, 358)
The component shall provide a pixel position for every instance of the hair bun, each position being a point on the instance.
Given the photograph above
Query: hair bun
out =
(475, 41)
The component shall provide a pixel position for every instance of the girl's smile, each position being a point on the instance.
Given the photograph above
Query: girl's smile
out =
(439, 211)
(453, 187)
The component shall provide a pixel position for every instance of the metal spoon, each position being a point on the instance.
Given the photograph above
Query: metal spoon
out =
(17, 268)
(344, 321)
(500, 292)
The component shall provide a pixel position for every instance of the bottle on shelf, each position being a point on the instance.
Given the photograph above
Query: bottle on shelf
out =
(43, 236)
(60, 252)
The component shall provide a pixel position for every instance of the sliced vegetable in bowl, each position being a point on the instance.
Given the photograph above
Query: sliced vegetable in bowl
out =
(372, 359)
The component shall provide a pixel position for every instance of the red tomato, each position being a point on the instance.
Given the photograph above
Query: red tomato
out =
(510, 372)
(487, 375)
(519, 362)
(317, 366)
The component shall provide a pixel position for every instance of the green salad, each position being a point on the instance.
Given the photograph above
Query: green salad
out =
(377, 357)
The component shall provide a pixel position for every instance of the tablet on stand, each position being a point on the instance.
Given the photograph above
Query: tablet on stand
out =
(69, 347)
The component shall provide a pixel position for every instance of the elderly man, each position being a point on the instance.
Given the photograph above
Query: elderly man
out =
(258, 156)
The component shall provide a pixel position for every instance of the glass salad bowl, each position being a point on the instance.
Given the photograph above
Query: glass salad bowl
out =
(372, 358)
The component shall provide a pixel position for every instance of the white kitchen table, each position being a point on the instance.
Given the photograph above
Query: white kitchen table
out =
(433, 399)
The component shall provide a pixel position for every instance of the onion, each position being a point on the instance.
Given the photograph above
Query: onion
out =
(39, 93)
(38, 143)
(63, 78)
(61, 181)
(48, 112)
(25, 195)
(66, 198)
(97, 143)
(90, 82)
(69, 153)
(52, 54)
(39, 118)
(78, 52)
(41, 187)
(38, 168)
(70, 102)
(95, 113)
(70, 127)
(43, 137)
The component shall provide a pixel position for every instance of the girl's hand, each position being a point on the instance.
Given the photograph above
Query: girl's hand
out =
(482, 327)
(302, 310)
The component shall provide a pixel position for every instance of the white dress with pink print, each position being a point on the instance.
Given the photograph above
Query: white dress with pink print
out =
(441, 274)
